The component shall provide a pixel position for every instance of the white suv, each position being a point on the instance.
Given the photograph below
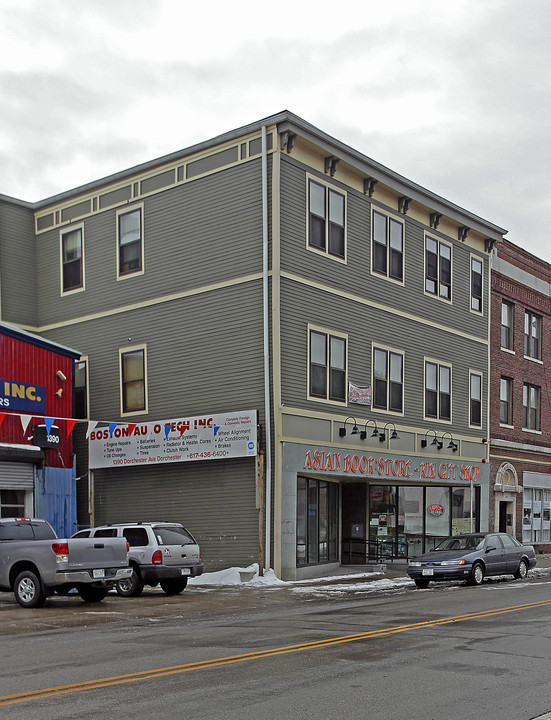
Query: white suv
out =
(161, 553)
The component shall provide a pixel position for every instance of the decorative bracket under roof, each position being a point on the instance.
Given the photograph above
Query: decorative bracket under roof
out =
(330, 165)
(288, 140)
(489, 244)
(369, 186)
(462, 232)
(435, 218)
(403, 204)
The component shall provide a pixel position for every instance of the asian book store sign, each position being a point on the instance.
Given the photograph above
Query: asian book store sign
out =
(389, 468)
(205, 437)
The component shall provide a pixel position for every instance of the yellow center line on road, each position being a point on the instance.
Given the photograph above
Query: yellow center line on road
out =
(259, 654)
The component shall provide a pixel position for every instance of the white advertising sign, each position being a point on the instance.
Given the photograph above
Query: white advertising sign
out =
(203, 437)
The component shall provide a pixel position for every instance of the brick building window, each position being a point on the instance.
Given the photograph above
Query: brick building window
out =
(507, 316)
(505, 401)
(531, 407)
(532, 335)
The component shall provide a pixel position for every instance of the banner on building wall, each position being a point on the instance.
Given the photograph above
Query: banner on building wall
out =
(202, 437)
(359, 395)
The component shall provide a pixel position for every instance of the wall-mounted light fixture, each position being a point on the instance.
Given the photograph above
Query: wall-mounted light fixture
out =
(424, 441)
(59, 392)
(375, 432)
(61, 375)
(393, 435)
(354, 431)
(452, 444)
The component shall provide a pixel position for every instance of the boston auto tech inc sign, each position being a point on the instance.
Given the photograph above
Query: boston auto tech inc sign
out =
(205, 437)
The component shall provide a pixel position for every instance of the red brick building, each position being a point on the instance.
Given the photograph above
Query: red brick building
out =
(520, 386)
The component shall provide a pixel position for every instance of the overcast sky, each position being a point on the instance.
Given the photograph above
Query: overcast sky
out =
(453, 94)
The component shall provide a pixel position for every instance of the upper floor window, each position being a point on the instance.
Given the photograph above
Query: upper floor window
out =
(476, 284)
(531, 407)
(72, 260)
(388, 383)
(438, 268)
(475, 393)
(133, 380)
(327, 366)
(326, 228)
(506, 401)
(388, 246)
(532, 335)
(129, 241)
(81, 388)
(507, 325)
(438, 391)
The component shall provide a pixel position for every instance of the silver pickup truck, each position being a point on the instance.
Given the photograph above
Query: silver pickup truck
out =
(35, 563)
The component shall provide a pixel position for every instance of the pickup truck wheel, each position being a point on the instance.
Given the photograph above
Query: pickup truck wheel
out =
(92, 594)
(28, 590)
(130, 587)
(173, 587)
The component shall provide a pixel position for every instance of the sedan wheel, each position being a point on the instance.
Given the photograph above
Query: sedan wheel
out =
(477, 574)
(422, 583)
(522, 570)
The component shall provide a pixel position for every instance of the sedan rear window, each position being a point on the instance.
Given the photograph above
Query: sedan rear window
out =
(173, 535)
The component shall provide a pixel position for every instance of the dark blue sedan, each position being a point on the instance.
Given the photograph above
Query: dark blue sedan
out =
(472, 557)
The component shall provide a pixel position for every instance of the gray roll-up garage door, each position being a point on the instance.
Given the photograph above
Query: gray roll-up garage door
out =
(16, 476)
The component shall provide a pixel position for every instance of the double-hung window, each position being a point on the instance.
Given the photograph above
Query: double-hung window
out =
(475, 396)
(326, 228)
(532, 335)
(129, 241)
(388, 383)
(133, 380)
(507, 325)
(476, 284)
(531, 407)
(327, 366)
(506, 401)
(438, 268)
(438, 390)
(387, 246)
(72, 260)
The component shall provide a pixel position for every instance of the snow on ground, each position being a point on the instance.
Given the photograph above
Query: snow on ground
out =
(250, 577)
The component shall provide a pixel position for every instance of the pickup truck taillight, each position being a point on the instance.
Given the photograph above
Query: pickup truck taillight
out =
(127, 546)
(157, 558)
(61, 551)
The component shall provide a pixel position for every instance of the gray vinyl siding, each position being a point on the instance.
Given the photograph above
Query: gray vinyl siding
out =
(17, 264)
(202, 232)
(214, 500)
(365, 326)
(355, 276)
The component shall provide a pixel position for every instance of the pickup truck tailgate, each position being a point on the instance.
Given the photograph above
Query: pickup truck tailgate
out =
(89, 553)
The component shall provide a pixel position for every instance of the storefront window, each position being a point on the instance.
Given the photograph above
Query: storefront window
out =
(536, 520)
(317, 512)
(461, 511)
(382, 524)
(410, 521)
(437, 515)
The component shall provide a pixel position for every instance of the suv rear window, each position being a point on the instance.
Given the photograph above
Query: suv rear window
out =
(173, 535)
(137, 537)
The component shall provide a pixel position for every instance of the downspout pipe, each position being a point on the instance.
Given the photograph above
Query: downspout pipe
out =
(265, 305)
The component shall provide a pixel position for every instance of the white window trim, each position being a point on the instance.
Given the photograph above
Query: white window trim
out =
(478, 313)
(397, 218)
(437, 295)
(326, 331)
(123, 211)
(122, 351)
(64, 231)
(387, 348)
(481, 376)
(319, 251)
(439, 363)
(84, 358)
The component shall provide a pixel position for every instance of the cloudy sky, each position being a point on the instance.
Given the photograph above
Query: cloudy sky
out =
(455, 95)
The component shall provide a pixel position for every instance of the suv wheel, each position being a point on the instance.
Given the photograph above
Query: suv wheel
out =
(130, 587)
(173, 587)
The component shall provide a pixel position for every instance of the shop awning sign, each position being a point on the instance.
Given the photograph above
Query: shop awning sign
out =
(204, 437)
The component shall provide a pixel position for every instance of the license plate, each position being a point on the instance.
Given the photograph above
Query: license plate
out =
(428, 572)
(185, 571)
(98, 573)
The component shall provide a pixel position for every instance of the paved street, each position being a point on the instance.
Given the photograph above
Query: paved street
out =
(349, 647)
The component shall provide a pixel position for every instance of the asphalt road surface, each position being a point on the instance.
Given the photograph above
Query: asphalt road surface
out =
(341, 650)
